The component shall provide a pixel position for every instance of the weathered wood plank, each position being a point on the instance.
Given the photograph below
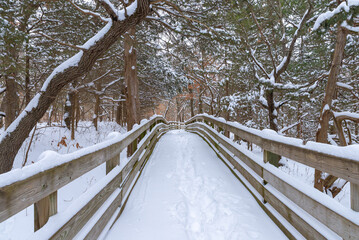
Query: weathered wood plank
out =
(354, 196)
(340, 167)
(39, 186)
(296, 221)
(102, 222)
(142, 162)
(106, 216)
(110, 164)
(337, 222)
(76, 223)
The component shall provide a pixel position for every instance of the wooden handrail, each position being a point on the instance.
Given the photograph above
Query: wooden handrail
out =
(337, 164)
(31, 185)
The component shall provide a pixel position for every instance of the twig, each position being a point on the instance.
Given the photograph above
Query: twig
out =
(61, 43)
(28, 148)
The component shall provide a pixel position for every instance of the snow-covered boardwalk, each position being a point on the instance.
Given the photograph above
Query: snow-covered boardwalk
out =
(187, 192)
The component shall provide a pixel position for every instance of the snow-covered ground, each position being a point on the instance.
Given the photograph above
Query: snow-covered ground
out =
(186, 192)
(58, 139)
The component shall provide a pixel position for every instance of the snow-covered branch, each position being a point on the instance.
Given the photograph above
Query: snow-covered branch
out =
(88, 12)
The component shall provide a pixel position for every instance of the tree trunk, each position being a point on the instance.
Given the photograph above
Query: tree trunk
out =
(73, 115)
(299, 120)
(97, 106)
(11, 100)
(11, 140)
(191, 102)
(27, 75)
(68, 109)
(227, 115)
(178, 109)
(131, 80)
(77, 109)
(322, 133)
(200, 103)
(272, 112)
(119, 113)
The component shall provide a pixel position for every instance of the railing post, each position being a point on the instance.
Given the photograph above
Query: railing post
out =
(226, 133)
(112, 163)
(44, 209)
(354, 196)
(272, 158)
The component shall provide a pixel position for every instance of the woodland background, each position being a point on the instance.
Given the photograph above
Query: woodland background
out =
(264, 64)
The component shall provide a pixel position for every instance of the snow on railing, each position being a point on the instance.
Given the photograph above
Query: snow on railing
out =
(38, 183)
(314, 214)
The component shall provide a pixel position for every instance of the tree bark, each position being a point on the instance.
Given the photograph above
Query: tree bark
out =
(27, 73)
(68, 109)
(200, 102)
(12, 139)
(272, 112)
(97, 105)
(191, 101)
(322, 133)
(131, 80)
(11, 100)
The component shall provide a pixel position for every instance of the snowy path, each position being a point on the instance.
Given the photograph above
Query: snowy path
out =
(186, 192)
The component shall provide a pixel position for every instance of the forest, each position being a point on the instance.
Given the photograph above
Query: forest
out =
(287, 65)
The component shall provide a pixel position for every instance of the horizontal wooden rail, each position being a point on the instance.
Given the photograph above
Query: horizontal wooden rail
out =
(326, 158)
(303, 207)
(35, 185)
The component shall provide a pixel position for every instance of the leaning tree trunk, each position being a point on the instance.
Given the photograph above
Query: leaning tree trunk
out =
(131, 79)
(322, 133)
(12, 139)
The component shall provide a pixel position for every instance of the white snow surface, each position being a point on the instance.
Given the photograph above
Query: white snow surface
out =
(186, 192)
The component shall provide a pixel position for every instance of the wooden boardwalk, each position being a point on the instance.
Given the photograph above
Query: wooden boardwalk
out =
(293, 207)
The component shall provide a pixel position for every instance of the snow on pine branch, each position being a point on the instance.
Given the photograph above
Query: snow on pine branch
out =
(347, 115)
(121, 14)
(350, 28)
(343, 85)
(344, 7)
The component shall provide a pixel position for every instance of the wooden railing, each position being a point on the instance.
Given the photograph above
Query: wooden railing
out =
(39, 184)
(313, 214)
(288, 202)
